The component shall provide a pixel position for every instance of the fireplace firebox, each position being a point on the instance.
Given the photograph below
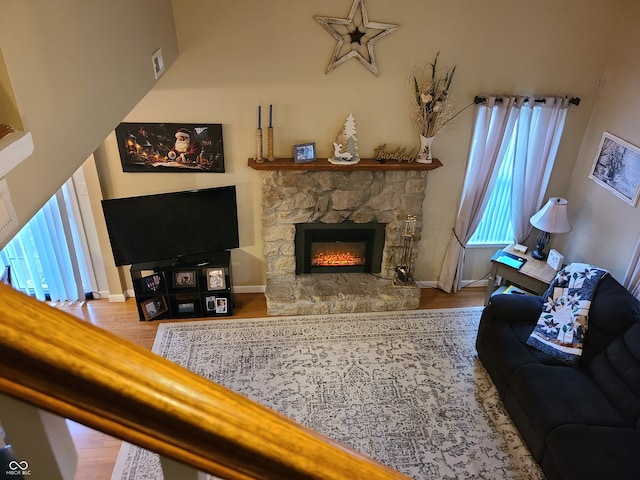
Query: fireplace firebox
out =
(339, 247)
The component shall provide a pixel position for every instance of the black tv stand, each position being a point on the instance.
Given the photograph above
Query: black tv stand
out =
(185, 287)
(177, 260)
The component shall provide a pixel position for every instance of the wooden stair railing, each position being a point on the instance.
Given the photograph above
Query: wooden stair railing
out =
(71, 368)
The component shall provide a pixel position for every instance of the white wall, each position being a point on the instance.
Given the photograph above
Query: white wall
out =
(237, 55)
(75, 69)
(606, 229)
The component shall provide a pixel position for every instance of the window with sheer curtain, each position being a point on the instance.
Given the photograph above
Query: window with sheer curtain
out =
(49, 257)
(513, 149)
(533, 142)
(495, 226)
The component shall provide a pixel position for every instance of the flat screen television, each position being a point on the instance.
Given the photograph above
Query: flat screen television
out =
(170, 226)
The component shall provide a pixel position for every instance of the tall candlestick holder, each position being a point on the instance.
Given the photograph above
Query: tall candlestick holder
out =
(270, 156)
(259, 158)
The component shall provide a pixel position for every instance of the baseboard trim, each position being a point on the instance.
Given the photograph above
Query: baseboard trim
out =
(101, 294)
(121, 297)
(481, 282)
(420, 283)
(249, 288)
(262, 288)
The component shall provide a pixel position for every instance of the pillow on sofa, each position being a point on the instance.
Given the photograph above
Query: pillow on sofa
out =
(562, 325)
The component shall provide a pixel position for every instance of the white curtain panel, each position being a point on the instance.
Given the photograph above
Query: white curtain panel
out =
(493, 125)
(539, 129)
(632, 277)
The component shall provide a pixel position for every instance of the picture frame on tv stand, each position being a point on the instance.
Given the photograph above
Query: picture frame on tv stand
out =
(151, 283)
(184, 278)
(215, 279)
(153, 307)
(215, 305)
(210, 303)
(221, 305)
(185, 306)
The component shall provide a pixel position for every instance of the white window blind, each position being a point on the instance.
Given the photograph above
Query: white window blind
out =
(49, 257)
(495, 226)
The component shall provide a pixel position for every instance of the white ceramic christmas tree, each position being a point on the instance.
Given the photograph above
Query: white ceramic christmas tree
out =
(345, 147)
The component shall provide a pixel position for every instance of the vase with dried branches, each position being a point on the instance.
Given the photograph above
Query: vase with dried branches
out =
(433, 107)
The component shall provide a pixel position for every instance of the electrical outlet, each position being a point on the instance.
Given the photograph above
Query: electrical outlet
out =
(158, 63)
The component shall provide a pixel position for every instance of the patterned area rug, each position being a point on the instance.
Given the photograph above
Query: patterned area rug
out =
(405, 388)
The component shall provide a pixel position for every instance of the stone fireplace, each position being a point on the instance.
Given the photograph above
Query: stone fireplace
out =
(310, 196)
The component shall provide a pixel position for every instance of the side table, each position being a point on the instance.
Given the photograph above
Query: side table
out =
(534, 275)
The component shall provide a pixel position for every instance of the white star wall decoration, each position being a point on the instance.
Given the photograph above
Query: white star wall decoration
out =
(356, 36)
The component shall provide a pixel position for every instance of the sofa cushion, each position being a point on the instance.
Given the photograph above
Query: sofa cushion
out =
(504, 328)
(543, 397)
(613, 310)
(617, 373)
(588, 452)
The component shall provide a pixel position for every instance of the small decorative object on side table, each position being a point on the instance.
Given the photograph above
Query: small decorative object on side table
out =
(534, 275)
(555, 259)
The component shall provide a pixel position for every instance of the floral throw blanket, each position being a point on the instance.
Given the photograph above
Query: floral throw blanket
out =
(562, 324)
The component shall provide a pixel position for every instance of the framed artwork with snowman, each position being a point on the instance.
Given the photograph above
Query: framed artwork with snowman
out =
(170, 147)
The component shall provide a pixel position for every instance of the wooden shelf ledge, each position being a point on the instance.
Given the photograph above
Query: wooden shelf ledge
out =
(14, 148)
(323, 164)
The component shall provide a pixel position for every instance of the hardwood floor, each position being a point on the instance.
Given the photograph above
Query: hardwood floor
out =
(97, 452)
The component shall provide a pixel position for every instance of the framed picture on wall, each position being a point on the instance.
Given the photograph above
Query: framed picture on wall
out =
(170, 147)
(616, 168)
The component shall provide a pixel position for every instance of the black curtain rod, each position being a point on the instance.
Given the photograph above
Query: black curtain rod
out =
(573, 100)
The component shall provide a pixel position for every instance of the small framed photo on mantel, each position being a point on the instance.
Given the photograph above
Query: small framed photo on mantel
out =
(304, 152)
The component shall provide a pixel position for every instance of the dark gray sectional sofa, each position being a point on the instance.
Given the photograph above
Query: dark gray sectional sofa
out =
(579, 422)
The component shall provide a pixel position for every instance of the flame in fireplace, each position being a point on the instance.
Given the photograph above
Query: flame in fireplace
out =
(337, 256)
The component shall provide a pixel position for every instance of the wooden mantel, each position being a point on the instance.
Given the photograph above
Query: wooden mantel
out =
(321, 164)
